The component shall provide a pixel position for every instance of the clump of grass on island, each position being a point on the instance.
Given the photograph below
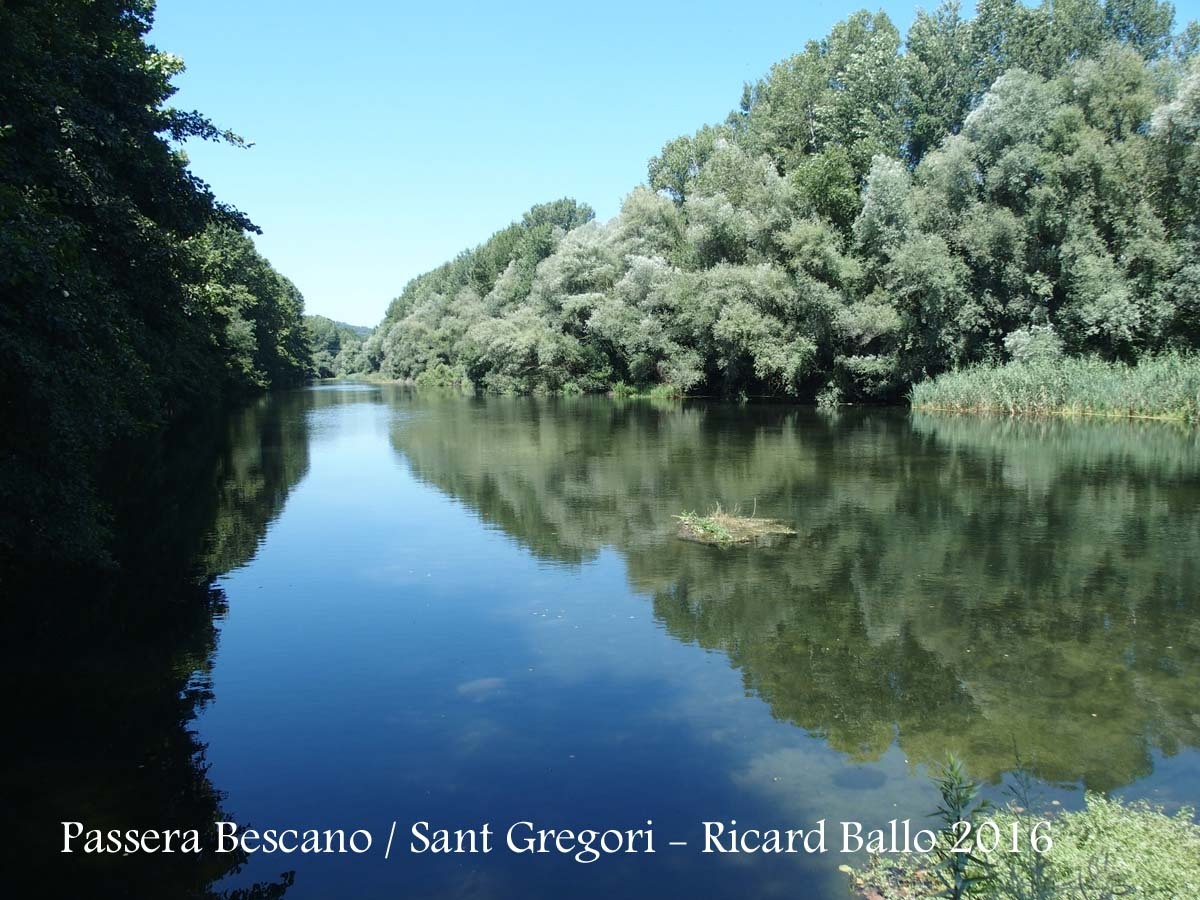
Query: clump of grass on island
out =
(1166, 386)
(723, 528)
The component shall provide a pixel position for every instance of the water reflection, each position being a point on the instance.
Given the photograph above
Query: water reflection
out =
(109, 676)
(958, 584)
(955, 584)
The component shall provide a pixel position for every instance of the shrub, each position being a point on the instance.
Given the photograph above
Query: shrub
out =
(1038, 343)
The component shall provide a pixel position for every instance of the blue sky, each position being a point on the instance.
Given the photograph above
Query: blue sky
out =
(388, 136)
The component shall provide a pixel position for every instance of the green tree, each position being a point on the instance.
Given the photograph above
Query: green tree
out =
(675, 169)
(939, 77)
(871, 214)
(106, 327)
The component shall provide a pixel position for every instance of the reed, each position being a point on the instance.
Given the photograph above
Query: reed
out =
(1165, 386)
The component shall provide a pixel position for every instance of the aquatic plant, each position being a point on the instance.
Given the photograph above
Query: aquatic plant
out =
(830, 398)
(1166, 386)
(665, 392)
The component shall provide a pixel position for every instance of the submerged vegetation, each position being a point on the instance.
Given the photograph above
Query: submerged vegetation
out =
(721, 527)
(1160, 387)
(132, 297)
(877, 210)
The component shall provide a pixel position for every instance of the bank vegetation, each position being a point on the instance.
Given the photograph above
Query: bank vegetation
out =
(878, 209)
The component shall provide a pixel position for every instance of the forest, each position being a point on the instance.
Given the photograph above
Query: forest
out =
(133, 299)
(336, 346)
(879, 208)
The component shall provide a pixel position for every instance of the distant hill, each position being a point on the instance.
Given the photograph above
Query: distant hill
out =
(361, 330)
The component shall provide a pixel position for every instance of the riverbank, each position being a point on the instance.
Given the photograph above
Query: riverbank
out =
(1159, 387)
(1108, 849)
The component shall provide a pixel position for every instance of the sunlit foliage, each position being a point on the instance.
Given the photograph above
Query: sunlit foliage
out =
(876, 211)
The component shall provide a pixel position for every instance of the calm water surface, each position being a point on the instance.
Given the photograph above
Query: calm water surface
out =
(477, 610)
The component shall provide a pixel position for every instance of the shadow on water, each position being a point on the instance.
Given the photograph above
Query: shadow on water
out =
(108, 676)
(957, 584)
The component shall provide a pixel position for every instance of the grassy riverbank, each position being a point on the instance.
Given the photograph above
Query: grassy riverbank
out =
(1159, 387)
(1109, 849)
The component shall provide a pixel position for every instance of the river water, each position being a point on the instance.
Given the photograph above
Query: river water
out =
(479, 610)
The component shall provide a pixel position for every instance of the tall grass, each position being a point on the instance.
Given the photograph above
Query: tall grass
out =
(1166, 386)
(656, 392)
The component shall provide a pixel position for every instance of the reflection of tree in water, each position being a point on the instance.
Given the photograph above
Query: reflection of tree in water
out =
(110, 674)
(956, 584)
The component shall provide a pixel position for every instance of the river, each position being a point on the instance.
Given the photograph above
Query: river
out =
(466, 610)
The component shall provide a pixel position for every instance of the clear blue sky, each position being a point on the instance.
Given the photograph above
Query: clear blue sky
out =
(390, 135)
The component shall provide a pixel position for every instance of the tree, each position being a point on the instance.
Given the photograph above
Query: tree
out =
(1144, 25)
(866, 218)
(939, 76)
(106, 330)
(675, 169)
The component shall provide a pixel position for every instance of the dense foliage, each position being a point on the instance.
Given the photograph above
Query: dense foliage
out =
(131, 297)
(878, 209)
(336, 346)
(476, 317)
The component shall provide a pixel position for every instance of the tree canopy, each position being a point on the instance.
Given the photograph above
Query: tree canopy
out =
(132, 297)
(878, 209)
